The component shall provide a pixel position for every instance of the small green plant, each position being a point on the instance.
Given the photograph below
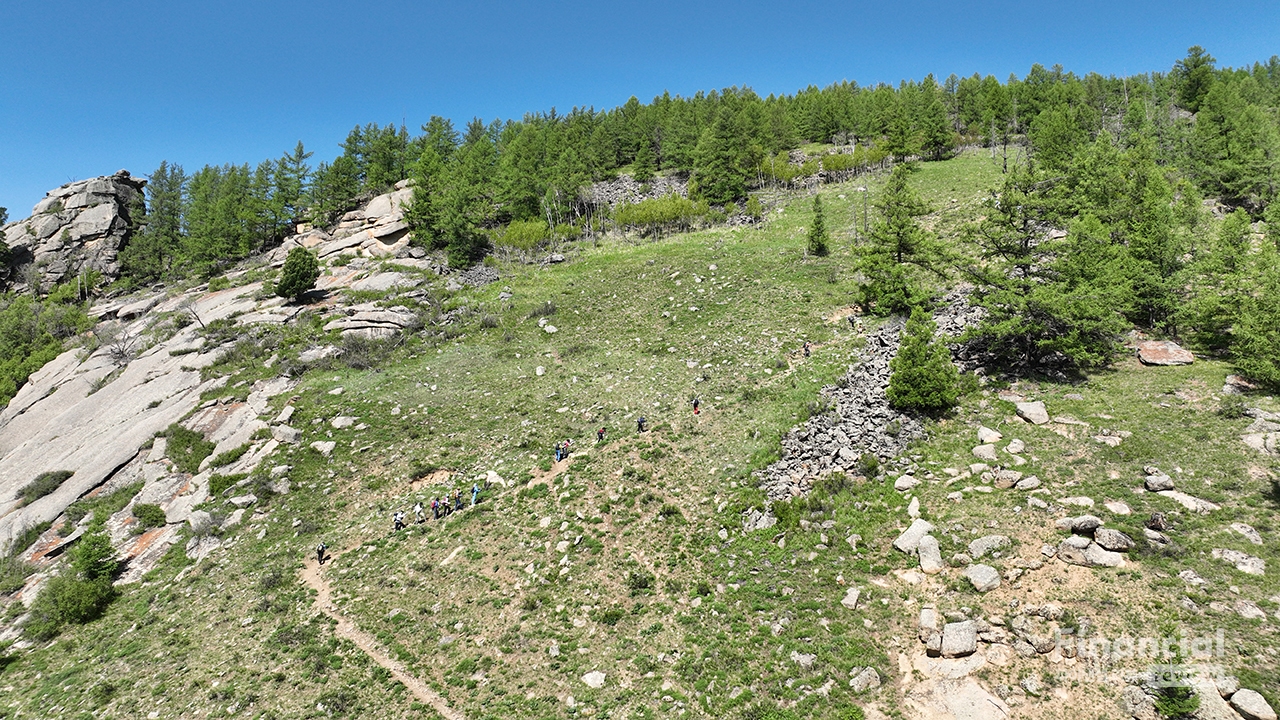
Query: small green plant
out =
(44, 484)
(148, 515)
(299, 274)
(187, 448)
(639, 582)
(228, 457)
(546, 309)
(1232, 407)
(612, 616)
(219, 283)
(1177, 702)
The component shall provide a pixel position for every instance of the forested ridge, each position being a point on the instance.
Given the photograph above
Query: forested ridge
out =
(1123, 163)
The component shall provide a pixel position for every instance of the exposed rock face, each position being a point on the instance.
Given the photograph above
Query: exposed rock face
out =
(1164, 352)
(80, 226)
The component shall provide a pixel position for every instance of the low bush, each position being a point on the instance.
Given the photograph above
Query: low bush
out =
(44, 484)
(148, 515)
(187, 448)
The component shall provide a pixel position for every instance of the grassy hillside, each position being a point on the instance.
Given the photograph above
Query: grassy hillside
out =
(629, 558)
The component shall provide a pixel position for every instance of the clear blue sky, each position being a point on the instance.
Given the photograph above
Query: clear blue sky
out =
(87, 88)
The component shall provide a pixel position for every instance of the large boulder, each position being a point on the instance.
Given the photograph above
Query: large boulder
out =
(77, 227)
(1164, 352)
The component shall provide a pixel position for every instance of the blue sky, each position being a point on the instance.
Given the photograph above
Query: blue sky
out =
(87, 88)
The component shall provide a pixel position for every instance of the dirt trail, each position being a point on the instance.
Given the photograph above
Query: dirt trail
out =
(313, 576)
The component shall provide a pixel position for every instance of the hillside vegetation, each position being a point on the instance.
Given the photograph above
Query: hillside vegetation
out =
(650, 574)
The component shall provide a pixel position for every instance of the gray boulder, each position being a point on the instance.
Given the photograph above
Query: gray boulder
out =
(1113, 540)
(1158, 482)
(865, 679)
(987, 544)
(909, 540)
(983, 577)
(1252, 706)
(1033, 412)
(959, 639)
(930, 555)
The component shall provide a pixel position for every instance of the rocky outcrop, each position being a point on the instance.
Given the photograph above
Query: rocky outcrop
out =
(77, 227)
(377, 229)
(1164, 352)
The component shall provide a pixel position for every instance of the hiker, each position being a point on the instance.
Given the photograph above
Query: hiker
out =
(696, 404)
(475, 494)
(457, 499)
(640, 424)
(557, 452)
(600, 435)
(567, 443)
(320, 552)
(853, 323)
(807, 345)
(417, 511)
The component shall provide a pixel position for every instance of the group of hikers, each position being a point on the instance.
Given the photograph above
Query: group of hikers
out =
(440, 507)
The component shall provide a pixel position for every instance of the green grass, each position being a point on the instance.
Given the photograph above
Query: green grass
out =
(630, 575)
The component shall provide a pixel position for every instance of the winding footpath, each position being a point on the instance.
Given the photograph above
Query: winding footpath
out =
(313, 576)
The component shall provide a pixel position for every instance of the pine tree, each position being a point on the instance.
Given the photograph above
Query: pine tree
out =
(642, 169)
(898, 249)
(151, 253)
(1257, 335)
(1046, 298)
(423, 213)
(818, 230)
(299, 274)
(924, 378)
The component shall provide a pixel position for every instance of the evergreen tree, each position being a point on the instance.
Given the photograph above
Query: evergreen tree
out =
(896, 245)
(291, 179)
(722, 163)
(1257, 334)
(923, 377)
(937, 140)
(818, 230)
(1046, 299)
(93, 557)
(423, 213)
(642, 169)
(1194, 74)
(1235, 146)
(1220, 283)
(299, 274)
(151, 253)
(335, 190)
(466, 204)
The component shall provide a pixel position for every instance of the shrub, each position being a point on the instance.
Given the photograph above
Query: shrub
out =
(1176, 703)
(13, 573)
(299, 274)
(546, 309)
(754, 209)
(610, 617)
(923, 379)
(639, 581)
(148, 515)
(219, 483)
(219, 283)
(44, 484)
(66, 600)
(228, 457)
(524, 235)
(1232, 407)
(187, 448)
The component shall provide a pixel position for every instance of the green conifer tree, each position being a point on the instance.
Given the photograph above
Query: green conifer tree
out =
(924, 378)
(299, 274)
(818, 230)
